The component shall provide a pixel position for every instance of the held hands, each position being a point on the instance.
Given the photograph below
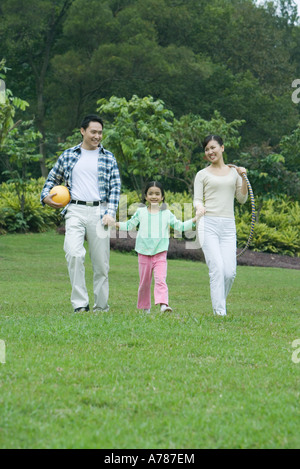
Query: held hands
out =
(200, 211)
(108, 220)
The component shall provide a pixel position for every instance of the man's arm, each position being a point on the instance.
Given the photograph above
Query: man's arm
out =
(114, 196)
(55, 178)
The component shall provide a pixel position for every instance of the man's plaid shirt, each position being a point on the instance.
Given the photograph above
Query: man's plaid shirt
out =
(108, 176)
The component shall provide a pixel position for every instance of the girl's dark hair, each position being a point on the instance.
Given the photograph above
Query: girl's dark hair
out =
(210, 137)
(155, 184)
(90, 118)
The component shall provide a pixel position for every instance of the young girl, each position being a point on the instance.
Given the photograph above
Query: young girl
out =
(152, 244)
(214, 190)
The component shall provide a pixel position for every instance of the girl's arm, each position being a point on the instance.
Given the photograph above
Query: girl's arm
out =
(181, 225)
(199, 213)
(129, 224)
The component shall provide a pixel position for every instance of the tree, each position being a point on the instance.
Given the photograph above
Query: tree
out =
(188, 134)
(114, 51)
(290, 149)
(20, 150)
(237, 57)
(149, 143)
(139, 134)
(29, 33)
(239, 63)
(270, 178)
(8, 106)
(18, 143)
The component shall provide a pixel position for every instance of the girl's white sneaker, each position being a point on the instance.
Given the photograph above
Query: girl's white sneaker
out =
(165, 308)
(148, 311)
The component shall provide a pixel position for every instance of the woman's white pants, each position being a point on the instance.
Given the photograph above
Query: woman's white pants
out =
(217, 238)
(81, 221)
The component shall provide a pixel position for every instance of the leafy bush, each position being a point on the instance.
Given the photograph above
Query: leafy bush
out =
(278, 228)
(36, 218)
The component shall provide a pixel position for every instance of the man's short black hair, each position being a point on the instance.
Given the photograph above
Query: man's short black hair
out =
(90, 118)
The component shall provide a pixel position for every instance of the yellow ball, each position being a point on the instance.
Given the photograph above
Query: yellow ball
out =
(62, 195)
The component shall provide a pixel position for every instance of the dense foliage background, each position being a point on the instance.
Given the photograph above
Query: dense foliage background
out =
(163, 73)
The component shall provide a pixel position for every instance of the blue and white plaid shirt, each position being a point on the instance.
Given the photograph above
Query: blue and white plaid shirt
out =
(108, 176)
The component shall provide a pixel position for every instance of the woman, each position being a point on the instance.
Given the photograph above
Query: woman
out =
(215, 188)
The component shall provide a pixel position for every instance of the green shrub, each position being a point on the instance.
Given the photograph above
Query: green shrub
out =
(35, 218)
(277, 230)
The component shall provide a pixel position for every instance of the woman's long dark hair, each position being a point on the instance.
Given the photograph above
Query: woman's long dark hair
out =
(210, 137)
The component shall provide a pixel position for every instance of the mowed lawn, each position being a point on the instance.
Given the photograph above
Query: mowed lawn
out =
(125, 379)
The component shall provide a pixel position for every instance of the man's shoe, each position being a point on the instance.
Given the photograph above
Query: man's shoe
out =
(82, 309)
(101, 310)
(220, 313)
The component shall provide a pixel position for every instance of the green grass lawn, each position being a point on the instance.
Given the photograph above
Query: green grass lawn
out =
(125, 379)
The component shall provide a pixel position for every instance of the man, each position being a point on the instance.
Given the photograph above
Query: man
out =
(92, 176)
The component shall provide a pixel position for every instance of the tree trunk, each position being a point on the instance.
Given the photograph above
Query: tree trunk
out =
(40, 126)
(44, 169)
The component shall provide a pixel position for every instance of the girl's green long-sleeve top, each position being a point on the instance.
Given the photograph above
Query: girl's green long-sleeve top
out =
(154, 229)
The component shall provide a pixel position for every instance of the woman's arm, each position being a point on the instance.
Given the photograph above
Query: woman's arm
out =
(241, 192)
(199, 195)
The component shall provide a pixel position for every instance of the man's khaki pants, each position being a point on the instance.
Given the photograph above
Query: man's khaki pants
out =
(81, 221)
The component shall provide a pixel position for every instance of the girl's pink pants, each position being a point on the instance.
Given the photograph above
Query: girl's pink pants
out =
(157, 265)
